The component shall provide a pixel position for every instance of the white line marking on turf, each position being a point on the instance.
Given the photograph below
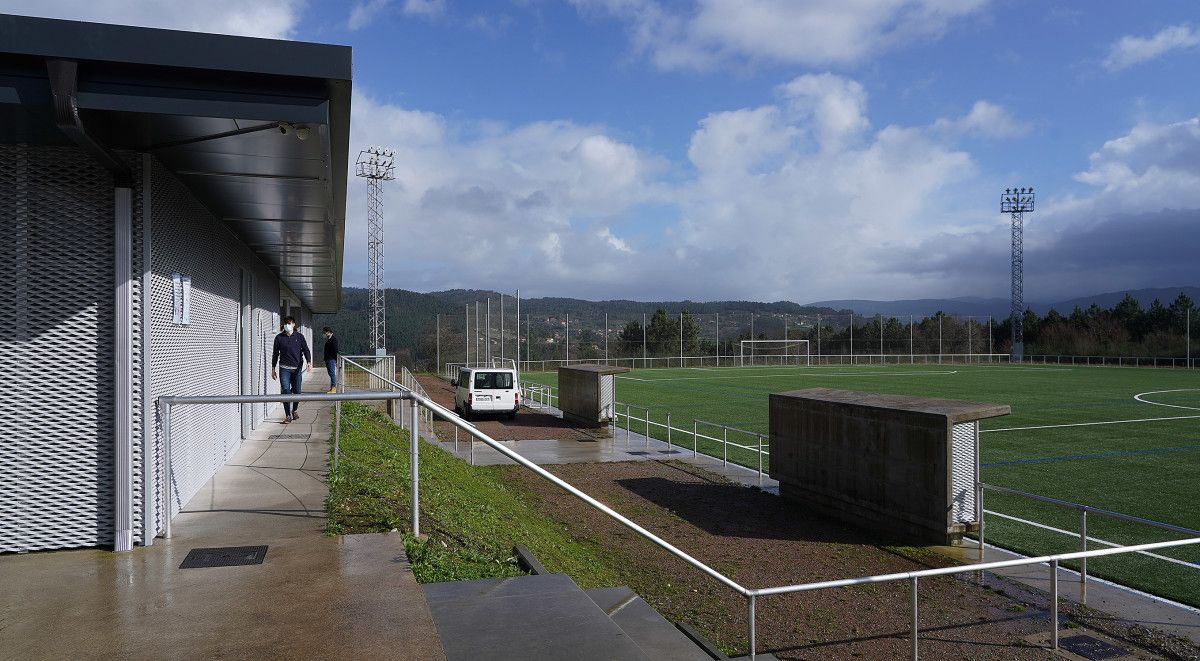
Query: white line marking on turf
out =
(787, 374)
(1138, 397)
(1088, 424)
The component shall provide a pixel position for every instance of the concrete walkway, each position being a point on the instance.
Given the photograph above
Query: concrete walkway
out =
(624, 446)
(314, 596)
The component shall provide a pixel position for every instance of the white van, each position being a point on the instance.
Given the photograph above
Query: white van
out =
(486, 390)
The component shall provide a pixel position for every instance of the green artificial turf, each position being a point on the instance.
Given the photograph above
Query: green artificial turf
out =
(1149, 469)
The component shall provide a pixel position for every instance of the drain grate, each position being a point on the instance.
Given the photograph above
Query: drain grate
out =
(668, 451)
(1091, 648)
(288, 437)
(225, 556)
(638, 453)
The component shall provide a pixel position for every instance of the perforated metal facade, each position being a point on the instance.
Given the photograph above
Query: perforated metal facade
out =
(203, 357)
(56, 452)
(964, 440)
(57, 483)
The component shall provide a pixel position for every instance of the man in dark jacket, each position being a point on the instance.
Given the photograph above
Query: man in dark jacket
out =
(331, 354)
(290, 355)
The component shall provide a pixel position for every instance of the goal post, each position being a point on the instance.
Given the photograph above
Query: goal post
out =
(774, 352)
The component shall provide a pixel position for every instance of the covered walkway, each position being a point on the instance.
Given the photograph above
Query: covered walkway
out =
(313, 596)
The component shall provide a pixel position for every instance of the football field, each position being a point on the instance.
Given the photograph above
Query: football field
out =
(1120, 439)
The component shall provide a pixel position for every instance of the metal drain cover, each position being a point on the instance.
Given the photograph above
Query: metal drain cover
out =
(638, 453)
(668, 451)
(1091, 648)
(287, 437)
(225, 556)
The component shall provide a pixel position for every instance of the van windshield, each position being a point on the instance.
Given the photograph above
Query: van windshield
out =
(493, 380)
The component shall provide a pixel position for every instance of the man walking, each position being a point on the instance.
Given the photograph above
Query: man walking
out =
(331, 354)
(290, 355)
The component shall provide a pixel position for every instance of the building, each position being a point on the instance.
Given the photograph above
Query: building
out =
(165, 197)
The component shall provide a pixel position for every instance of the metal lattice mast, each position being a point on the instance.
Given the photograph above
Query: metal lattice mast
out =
(376, 165)
(1017, 202)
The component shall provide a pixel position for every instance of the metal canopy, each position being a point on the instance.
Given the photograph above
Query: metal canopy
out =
(225, 114)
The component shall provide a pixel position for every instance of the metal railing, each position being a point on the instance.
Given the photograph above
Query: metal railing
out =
(450, 370)
(1181, 362)
(1082, 534)
(167, 403)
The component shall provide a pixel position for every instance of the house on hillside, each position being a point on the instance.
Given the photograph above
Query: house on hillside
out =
(167, 197)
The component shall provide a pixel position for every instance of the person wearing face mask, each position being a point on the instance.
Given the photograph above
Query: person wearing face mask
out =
(331, 353)
(290, 355)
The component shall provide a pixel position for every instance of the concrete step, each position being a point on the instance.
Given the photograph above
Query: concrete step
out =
(652, 632)
(527, 617)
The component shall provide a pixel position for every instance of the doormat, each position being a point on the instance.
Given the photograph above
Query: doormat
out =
(225, 556)
(1091, 648)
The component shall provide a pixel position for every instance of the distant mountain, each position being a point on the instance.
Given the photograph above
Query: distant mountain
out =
(922, 307)
(1109, 299)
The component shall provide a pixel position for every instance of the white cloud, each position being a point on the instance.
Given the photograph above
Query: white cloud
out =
(614, 242)
(1129, 50)
(274, 19)
(812, 33)
(986, 120)
(1137, 227)
(364, 12)
(424, 7)
(487, 203)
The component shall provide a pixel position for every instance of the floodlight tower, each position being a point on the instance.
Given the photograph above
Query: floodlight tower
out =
(1017, 202)
(376, 164)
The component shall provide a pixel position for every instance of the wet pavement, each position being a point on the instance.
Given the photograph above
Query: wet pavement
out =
(314, 596)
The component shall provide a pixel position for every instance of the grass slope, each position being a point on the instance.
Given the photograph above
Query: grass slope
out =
(472, 517)
(1148, 469)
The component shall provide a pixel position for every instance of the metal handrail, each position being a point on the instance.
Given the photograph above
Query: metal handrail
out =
(452, 418)
(1094, 510)
(165, 404)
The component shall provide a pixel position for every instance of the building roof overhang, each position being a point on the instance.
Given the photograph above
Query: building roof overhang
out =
(225, 114)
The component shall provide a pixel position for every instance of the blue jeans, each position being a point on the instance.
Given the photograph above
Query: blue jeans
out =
(331, 367)
(289, 384)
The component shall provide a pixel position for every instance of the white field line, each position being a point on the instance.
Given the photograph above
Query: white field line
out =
(1139, 396)
(1089, 424)
(1043, 526)
(776, 376)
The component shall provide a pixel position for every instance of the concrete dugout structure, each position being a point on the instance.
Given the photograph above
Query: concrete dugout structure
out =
(893, 462)
(587, 394)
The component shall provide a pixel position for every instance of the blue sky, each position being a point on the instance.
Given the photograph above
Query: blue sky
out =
(760, 149)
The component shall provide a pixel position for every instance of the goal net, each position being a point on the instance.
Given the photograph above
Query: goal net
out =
(774, 352)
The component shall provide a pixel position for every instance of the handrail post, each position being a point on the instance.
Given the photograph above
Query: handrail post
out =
(725, 447)
(751, 626)
(695, 439)
(758, 451)
(647, 429)
(164, 411)
(1054, 600)
(414, 468)
(1083, 561)
(982, 545)
(668, 432)
(915, 622)
(337, 432)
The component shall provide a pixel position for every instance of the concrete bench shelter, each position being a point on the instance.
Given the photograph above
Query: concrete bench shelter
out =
(587, 394)
(894, 462)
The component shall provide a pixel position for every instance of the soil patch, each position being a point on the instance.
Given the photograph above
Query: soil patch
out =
(761, 540)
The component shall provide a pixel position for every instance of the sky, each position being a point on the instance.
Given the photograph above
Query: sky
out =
(756, 149)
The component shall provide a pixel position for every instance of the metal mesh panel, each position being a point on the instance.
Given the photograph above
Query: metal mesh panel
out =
(202, 357)
(964, 437)
(56, 439)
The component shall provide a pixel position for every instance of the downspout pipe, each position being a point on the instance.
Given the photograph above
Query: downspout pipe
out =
(64, 88)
